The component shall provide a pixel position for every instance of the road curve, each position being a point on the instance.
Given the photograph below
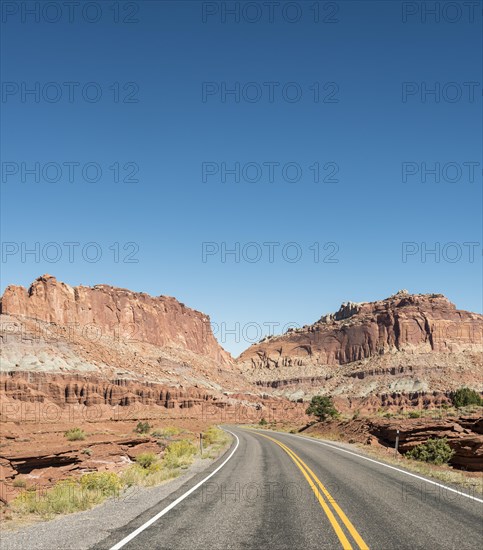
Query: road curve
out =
(279, 491)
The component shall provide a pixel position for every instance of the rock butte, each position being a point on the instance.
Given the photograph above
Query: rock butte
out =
(404, 343)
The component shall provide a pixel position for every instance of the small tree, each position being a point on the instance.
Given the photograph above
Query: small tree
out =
(435, 451)
(464, 397)
(142, 428)
(321, 406)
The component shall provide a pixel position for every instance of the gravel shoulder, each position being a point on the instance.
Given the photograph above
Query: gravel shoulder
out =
(83, 530)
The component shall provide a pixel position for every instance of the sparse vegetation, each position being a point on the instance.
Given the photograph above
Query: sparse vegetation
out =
(168, 432)
(106, 483)
(142, 428)
(179, 454)
(465, 397)
(435, 451)
(73, 495)
(19, 483)
(215, 439)
(68, 495)
(263, 422)
(322, 407)
(147, 460)
(415, 414)
(75, 434)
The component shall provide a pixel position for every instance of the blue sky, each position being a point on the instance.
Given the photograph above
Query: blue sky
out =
(374, 65)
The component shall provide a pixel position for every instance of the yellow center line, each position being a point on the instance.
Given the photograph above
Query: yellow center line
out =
(307, 472)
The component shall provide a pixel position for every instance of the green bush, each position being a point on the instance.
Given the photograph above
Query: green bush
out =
(435, 451)
(321, 407)
(64, 497)
(464, 397)
(263, 422)
(214, 435)
(106, 483)
(170, 431)
(75, 434)
(19, 483)
(142, 428)
(146, 460)
(415, 414)
(179, 454)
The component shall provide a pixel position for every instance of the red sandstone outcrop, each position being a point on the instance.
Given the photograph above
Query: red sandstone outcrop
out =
(464, 435)
(401, 345)
(417, 323)
(161, 321)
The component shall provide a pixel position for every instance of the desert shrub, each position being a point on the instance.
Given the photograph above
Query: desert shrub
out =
(19, 483)
(464, 397)
(435, 451)
(87, 451)
(75, 434)
(169, 431)
(214, 435)
(64, 497)
(263, 422)
(147, 460)
(322, 407)
(179, 454)
(106, 483)
(415, 414)
(147, 477)
(142, 427)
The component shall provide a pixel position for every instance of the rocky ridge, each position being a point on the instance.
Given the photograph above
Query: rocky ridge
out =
(407, 342)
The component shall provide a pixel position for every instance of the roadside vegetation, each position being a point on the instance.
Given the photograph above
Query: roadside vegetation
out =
(465, 397)
(142, 428)
(75, 434)
(322, 407)
(149, 469)
(435, 451)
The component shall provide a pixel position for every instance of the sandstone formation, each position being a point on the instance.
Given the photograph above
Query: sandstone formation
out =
(116, 312)
(464, 435)
(404, 343)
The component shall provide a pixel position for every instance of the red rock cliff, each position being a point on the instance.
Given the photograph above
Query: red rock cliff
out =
(161, 321)
(421, 323)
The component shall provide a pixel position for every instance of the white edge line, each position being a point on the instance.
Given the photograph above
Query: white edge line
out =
(135, 533)
(385, 465)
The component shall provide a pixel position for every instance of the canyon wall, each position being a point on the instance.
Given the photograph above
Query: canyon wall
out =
(415, 323)
(161, 321)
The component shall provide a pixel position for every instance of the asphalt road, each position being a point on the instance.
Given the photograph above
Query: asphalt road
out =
(278, 491)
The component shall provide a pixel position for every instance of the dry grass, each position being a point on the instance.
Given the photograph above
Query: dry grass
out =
(74, 495)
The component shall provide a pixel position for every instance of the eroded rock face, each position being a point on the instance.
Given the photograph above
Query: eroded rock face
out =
(463, 435)
(421, 323)
(160, 321)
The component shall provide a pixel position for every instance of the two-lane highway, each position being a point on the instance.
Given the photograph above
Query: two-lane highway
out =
(277, 491)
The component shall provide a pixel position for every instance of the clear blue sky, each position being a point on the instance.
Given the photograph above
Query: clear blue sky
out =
(377, 123)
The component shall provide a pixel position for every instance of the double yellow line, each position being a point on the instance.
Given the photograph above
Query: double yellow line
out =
(315, 485)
